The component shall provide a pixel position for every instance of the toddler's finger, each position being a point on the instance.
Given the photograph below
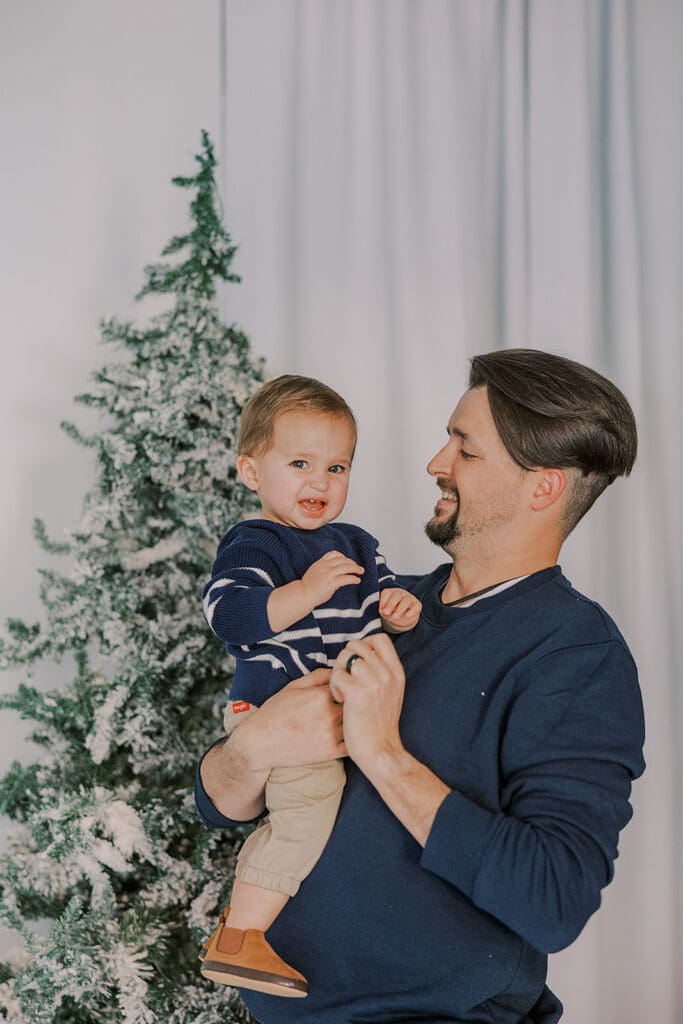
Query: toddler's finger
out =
(408, 605)
(346, 579)
(387, 602)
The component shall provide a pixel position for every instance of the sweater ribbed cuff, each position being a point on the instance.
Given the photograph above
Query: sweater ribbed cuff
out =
(457, 843)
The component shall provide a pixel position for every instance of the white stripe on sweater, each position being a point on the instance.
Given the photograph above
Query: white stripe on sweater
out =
(259, 572)
(344, 613)
(209, 602)
(295, 634)
(343, 638)
(275, 662)
(291, 651)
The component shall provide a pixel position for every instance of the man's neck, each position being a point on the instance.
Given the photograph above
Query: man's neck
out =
(467, 578)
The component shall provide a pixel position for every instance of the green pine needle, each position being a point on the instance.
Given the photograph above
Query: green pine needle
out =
(105, 847)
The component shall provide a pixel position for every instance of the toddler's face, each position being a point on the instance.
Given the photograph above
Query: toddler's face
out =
(303, 479)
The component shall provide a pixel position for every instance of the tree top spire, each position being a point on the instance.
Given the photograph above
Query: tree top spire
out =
(209, 247)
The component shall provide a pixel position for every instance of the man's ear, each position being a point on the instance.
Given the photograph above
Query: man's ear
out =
(246, 467)
(550, 484)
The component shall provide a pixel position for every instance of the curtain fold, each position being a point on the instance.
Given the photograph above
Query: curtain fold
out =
(414, 181)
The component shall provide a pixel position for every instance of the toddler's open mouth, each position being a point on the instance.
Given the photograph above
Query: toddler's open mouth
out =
(313, 506)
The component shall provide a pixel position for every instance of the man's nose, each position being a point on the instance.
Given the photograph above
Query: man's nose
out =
(439, 465)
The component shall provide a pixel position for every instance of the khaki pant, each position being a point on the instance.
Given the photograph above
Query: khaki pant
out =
(302, 808)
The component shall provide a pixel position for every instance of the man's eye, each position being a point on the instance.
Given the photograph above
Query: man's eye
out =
(298, 463)
(466, 455)
(337, 469)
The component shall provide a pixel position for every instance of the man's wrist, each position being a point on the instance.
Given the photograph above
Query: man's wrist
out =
(408, 788)
(383, 766)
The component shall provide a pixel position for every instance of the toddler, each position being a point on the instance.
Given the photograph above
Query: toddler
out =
(288, 591)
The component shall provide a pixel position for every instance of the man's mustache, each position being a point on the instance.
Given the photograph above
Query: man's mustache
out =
(447, 485)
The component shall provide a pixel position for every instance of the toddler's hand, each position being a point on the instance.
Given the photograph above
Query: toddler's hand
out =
(399, 610)
(328, 574)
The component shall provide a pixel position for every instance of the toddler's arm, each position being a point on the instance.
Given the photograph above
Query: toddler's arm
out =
(243, 606)
(291, 602)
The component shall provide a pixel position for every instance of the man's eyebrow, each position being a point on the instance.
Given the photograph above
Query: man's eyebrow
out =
(455, 431)
(470, 441)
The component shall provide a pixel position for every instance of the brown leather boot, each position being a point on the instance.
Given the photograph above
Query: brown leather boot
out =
(244, 959)
(214, 934)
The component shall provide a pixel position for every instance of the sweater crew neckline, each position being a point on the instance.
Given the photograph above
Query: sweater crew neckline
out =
(438, 613)
(261, 522)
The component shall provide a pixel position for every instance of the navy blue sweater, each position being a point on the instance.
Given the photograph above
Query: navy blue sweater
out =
(526, 704)
(257, 555)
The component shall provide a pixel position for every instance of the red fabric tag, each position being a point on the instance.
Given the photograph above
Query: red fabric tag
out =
(240, 705)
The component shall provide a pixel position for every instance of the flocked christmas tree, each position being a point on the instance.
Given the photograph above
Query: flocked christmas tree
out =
(106, 845)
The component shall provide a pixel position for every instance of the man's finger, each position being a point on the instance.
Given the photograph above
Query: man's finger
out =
(377, 642)
(371, 659)
(337, 692)
(318, 677)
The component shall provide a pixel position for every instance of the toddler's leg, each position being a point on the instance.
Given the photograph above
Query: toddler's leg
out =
(243, 958)
(302, 807)
(251, 906)
(237, 953)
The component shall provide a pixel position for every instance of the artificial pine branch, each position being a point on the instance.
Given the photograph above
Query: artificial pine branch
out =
(105, 843)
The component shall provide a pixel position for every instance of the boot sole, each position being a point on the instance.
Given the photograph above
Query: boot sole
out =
(258, 981)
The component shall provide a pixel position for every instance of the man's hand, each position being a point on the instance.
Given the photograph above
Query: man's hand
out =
(372, 695)
(327, 575)
(399, 610)
(301, 724)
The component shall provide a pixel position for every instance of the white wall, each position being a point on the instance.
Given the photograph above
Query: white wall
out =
(102, 103)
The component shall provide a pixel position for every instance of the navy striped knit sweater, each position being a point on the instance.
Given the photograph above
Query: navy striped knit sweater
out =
(257, 555)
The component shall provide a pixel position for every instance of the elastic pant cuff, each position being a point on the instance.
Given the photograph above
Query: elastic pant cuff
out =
(268, 879)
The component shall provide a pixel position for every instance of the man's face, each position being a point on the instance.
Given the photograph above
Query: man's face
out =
(482, 489)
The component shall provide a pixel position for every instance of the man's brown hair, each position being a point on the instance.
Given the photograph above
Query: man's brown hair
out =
(288, 393)
(550, 411)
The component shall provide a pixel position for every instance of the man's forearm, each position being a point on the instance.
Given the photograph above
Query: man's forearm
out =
(234, 788)
(409, 789)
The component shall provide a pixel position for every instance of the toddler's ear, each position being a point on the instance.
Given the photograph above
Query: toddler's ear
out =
(246, 467)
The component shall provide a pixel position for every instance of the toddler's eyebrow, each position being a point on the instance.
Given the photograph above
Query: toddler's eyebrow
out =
(309, 455)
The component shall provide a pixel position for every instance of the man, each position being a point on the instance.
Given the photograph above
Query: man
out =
(491, 751)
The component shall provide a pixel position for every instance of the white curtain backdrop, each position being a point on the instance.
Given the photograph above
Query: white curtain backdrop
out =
(414, 181)
(410, 182)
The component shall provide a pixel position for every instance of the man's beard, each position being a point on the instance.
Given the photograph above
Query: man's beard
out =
(444, 531)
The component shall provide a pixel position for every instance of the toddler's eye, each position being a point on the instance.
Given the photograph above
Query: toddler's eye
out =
(337, 469)
(298, 463)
